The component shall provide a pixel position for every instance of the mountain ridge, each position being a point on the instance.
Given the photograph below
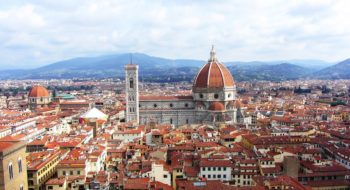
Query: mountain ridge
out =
(157, 68)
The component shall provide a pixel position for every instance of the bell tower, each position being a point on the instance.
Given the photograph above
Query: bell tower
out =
(132, 93)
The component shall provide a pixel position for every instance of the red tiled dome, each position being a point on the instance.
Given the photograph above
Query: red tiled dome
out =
(39, 91)
(238, 104)
(216, 106)
(213, 75)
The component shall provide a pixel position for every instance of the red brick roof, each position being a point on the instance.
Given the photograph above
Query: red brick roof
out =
(213, 75)
(216, 106)
(39, 91)
(215, 163)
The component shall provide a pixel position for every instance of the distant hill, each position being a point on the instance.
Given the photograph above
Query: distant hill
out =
(101, 67)
(282, 71)
(337, 71)
(159, 69)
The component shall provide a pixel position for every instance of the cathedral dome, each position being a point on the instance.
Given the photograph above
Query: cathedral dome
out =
(39, 91)
(217, 106)
(213, 74)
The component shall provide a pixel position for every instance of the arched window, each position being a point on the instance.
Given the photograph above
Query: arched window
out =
(19, 165)
(10, 170)
(131, 81)
(216, 96)
(21, 187)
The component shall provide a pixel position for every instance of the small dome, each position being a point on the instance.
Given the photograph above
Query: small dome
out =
(39, 91)
(216, 106)
(213, 75)
(238, 104)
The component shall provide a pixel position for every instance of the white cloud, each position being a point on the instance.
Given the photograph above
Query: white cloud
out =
(46, 31)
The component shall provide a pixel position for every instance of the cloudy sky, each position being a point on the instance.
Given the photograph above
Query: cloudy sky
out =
(39, 32)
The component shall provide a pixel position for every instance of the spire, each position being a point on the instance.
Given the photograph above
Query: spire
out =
(212, 55)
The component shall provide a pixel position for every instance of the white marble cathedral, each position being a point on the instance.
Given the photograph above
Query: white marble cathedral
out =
(212, 100)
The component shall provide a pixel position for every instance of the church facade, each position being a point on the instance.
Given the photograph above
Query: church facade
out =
(212, 100)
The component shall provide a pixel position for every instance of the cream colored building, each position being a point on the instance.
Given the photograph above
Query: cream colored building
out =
(13, 167)
(41, 167)
(159, 173)
(56, 184)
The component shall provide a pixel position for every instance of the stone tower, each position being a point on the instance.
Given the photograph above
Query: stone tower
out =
(132, 93)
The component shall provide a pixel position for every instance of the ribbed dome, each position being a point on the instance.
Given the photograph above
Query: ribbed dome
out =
(216, 106)
(39, 91)
(213, 75)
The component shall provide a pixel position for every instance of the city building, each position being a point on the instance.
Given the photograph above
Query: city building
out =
(38, 97)
(212, 100)
(41, 167)
(13, 167)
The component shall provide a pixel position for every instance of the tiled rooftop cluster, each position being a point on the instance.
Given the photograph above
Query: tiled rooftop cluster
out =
(287, 139)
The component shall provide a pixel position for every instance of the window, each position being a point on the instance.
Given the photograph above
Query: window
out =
(186, 105)
(224, 176)
(11, 170)
(171, 121)
(63, 172)
(131, 80)
(165, 176)
(229, 95)
(214, 168)
(219, 176)
(203, 176)
(19, 165)
(219, 168)
(71, 173)
(203, 168)
(200, 95)
(209, 176)
(50, 187)
(209, 168)
(224, 168)
(214, 176)
(186, 121)
(21, 187)
(78, 172)
(216, 96)
(171, 105)
(154, 105)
